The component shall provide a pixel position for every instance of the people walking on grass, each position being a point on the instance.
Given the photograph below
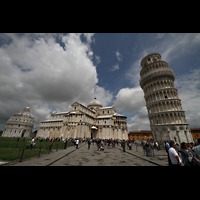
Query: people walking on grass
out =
(65, 143)
(33, 145)
(50, 146)
(28, 144)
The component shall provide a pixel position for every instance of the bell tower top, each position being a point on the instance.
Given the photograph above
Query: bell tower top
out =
(151, 58)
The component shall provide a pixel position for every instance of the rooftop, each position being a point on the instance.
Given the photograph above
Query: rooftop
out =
(94, 102)
(25, 112)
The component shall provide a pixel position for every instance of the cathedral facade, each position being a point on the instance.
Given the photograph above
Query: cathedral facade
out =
(93, 121)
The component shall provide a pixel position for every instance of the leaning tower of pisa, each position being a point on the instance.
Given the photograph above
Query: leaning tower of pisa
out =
(165, 112)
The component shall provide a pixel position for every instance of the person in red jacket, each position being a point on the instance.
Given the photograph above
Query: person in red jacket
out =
(51, 145)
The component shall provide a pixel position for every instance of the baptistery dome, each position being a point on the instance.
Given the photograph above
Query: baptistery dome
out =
(20, 124)
(25, 112)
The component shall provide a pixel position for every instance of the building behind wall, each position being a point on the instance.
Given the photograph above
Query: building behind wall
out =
(165, 112)
(140, 135)
(146, 134)
(93, 121)
(195, 133)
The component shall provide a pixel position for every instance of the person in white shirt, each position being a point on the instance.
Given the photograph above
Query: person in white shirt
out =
(174, 157)
(77, 141)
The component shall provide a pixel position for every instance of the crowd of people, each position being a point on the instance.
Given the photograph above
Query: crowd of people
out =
(189, 152)
(108, 143)
(101, 143)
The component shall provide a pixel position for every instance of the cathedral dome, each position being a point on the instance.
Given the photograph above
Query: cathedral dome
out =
(25, 112)
(94, 103)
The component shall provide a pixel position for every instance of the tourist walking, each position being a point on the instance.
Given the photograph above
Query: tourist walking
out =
(65, 143)
(99, 145)
(197, 150)
(123, 145)
(89, 143)
(136, 145)
(157, 146)
(173, 155)
(50, 146)
(28, 144)
(77, 141)
(130, 145)
(167, 146)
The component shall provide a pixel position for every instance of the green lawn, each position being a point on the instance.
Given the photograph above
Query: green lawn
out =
(15, 154)
(10, 149)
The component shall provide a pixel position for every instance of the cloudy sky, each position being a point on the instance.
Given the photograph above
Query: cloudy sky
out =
(48, 72)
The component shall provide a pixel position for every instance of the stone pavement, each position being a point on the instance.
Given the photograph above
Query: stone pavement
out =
(3, 162)
(109, 157)
(45, 159)
(160, 157)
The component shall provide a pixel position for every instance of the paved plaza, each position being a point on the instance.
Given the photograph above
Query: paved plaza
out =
(92, 157)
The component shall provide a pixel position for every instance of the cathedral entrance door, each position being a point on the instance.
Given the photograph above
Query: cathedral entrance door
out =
(91, 136)
(23, 132)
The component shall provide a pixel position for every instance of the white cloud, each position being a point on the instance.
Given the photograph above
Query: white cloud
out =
(37, 71)
(115, 67)
(189, 93)
(133, 74)
(175, 45)
(160, 35)
(130, 100)
(140, 121)
(118, 55)
(89, 37)
(104, 96)
(97, 60)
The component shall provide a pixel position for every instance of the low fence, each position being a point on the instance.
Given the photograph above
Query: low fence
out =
(16, 151)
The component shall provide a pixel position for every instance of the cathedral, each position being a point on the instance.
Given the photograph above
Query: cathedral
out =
(93, 121)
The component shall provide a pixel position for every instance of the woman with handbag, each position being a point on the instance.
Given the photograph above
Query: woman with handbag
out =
(188, 156)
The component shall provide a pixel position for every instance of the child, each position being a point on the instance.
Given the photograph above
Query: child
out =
(102, 147)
